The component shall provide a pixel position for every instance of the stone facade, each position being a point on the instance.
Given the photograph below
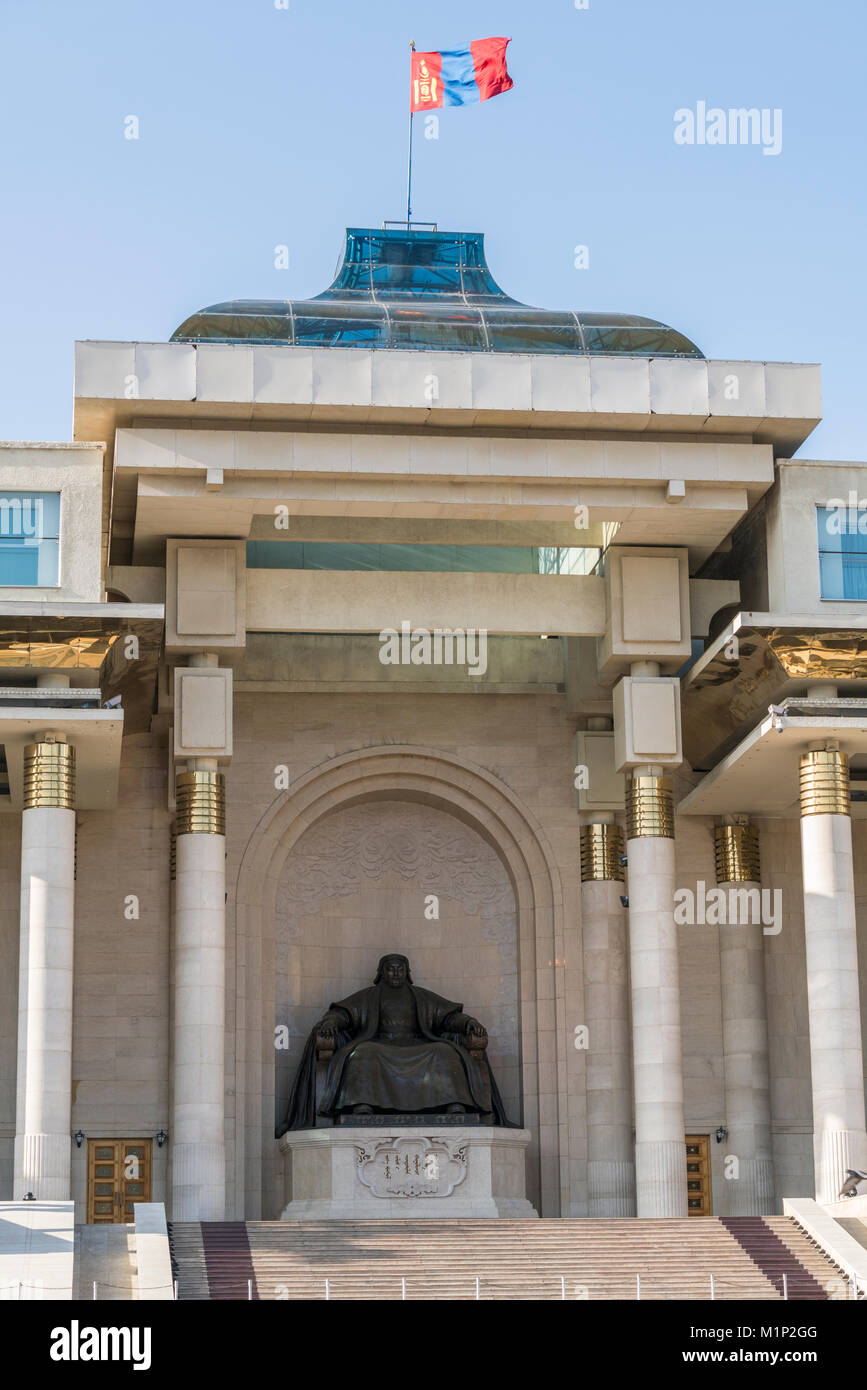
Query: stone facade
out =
(264, 807)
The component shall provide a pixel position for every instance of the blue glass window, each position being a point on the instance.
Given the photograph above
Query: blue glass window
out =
(842, 551)
(29, 539)
(468, 559)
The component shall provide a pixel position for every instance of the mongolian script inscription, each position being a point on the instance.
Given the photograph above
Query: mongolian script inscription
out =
(411, 1167)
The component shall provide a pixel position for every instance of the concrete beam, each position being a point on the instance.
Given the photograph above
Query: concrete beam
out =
(161, 475)
(372, 600)
(777, 402)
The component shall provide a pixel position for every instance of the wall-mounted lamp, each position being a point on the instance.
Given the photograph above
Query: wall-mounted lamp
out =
(721, 1134)
(623, 861)
(160, 1137)
(79, 1138)
(624, 901)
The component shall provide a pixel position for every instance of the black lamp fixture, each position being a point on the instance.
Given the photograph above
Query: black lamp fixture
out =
(624, 901)
(79, 1138)
(160, 1137)
(721, 1134)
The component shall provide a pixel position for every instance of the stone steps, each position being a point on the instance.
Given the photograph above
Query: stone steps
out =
(513, 1260)
(188, 1260)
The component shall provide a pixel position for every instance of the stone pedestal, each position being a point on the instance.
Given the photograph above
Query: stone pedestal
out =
(356, 1173)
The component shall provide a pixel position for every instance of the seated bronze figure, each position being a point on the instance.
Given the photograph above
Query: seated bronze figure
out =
(395, 1049)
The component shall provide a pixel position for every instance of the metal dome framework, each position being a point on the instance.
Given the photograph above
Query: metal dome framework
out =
(422, 290)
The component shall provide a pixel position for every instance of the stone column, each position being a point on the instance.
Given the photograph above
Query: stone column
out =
(610, 1161)
(836, 1064)
(44, 1093)
(197, 1128)
(660, 1157)
(745, 1021)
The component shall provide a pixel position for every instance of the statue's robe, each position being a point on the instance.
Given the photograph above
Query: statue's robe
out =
(418, 1067)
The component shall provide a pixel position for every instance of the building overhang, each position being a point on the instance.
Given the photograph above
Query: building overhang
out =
(761, 775)
(89, 642)
(198, 482)
(759, 660)
(96, 736)
(118, 384)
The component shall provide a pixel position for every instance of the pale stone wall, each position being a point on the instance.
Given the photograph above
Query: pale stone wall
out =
(700, 1000)
(356, 887)
(792, 535)
(368, 871)
(788, 1024)
(75, 471)
(522, 743)
(120, 1050)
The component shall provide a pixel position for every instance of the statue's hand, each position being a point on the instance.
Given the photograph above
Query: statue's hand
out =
(476, 1035)
(326, 1038)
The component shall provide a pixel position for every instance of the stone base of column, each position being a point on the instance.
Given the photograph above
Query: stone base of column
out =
(752, 1192)
(198, 1182)
(660, 1178)
(610, 1188)
(835, 1151)
(42, 1166)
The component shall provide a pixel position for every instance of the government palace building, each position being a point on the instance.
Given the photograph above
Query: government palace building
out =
(412, 623)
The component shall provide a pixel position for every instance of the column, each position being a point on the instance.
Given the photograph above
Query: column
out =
(836, 1065)
(44, 1090)
(660, 1159)
(610, 1163)
(197, 1128)
(744, 1019)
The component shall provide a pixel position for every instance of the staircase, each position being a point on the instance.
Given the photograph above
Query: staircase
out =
(512, 1260)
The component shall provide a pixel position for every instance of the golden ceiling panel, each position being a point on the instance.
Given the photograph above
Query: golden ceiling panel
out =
(826, 655)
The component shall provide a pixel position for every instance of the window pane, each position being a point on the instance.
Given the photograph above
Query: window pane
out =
(466, 559)
(29, 539)
(842, 552)
(28, 563)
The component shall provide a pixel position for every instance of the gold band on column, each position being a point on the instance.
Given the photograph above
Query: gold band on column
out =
(601, 848)
(49, 775)
(825, 783)
(736, 852)
(201, 800)
(649, 808)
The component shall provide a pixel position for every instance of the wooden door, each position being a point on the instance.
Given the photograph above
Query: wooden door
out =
(118, 1176)
(698, 1174)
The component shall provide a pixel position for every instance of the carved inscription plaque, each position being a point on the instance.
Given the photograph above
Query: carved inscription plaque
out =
(411, 1167)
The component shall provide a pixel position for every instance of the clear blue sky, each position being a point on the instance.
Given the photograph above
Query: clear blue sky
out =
(261, 126)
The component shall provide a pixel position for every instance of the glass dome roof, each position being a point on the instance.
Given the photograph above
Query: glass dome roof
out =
(426, 290)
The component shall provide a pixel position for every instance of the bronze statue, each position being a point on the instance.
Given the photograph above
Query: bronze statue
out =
(395, 1049)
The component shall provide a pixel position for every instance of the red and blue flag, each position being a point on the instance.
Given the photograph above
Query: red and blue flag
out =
(458, 76)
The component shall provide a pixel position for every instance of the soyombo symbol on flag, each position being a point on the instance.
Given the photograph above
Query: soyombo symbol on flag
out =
(458, 76)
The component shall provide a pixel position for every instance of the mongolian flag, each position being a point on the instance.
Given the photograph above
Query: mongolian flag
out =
(458, 76)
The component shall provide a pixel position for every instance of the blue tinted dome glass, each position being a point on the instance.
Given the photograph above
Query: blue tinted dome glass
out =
(426, 290)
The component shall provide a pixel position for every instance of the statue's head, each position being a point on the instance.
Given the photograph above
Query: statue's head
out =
(394, 971)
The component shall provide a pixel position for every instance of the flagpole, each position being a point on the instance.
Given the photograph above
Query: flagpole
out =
(409, 156)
